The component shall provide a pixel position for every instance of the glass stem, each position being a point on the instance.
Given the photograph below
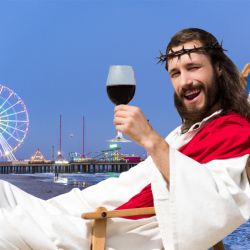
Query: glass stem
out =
(119, 134)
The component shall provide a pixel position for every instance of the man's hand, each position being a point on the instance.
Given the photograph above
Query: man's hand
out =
(131, 121)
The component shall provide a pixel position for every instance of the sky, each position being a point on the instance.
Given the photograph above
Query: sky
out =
(55, 54)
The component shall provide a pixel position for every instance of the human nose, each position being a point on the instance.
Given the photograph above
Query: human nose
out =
(185, 79)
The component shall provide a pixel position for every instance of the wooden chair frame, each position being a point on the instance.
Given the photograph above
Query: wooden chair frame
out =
(246, 70)
(100, 216)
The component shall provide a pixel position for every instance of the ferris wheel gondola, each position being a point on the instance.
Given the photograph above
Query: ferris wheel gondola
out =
(14, 122)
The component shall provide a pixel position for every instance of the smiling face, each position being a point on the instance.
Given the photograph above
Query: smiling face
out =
(194, 81)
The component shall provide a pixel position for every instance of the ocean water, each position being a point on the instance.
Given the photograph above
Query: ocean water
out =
(238, 240)
(80, 180)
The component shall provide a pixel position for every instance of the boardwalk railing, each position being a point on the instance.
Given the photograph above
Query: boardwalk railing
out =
(72, 167)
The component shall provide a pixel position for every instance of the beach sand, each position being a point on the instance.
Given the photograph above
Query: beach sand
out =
(36, 185)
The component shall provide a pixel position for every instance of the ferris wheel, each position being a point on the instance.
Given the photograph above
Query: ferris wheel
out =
(14, 122)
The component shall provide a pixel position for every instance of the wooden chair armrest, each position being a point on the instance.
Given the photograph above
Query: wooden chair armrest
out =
(103, 213)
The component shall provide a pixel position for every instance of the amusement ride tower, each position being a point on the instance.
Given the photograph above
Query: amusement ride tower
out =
(59, 153)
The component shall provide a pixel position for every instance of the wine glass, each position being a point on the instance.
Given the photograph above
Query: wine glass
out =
(121, 89)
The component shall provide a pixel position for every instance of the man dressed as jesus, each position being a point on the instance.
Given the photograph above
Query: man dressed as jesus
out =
(195, 177)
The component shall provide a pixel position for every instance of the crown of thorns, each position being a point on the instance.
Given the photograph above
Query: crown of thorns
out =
(171, 54)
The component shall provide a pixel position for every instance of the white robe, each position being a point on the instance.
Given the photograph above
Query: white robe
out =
(202, 205)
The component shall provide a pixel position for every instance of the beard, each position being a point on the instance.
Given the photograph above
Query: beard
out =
(191, 115)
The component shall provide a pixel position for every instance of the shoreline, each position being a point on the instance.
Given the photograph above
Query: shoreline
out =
(36, 185)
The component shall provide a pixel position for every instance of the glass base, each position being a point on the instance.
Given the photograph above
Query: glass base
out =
(119, 139)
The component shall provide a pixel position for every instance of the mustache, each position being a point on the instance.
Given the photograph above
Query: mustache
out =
(190, 88)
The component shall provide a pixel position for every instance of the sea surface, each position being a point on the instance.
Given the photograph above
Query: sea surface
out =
(238, 240)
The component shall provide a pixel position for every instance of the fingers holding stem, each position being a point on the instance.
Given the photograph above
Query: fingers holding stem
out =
(131, 121)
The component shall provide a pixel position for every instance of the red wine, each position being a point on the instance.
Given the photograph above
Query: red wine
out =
(121, 94)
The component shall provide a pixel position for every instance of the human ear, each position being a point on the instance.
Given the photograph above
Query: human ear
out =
(218, 69)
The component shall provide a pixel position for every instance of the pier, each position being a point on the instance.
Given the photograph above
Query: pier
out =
(71, 167)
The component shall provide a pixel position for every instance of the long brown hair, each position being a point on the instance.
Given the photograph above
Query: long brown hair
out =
(232, 96)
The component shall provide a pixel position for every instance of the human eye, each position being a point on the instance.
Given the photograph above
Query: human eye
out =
(174, 74)
(194, 67)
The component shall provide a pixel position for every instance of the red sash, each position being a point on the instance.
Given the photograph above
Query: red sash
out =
(225, 137)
